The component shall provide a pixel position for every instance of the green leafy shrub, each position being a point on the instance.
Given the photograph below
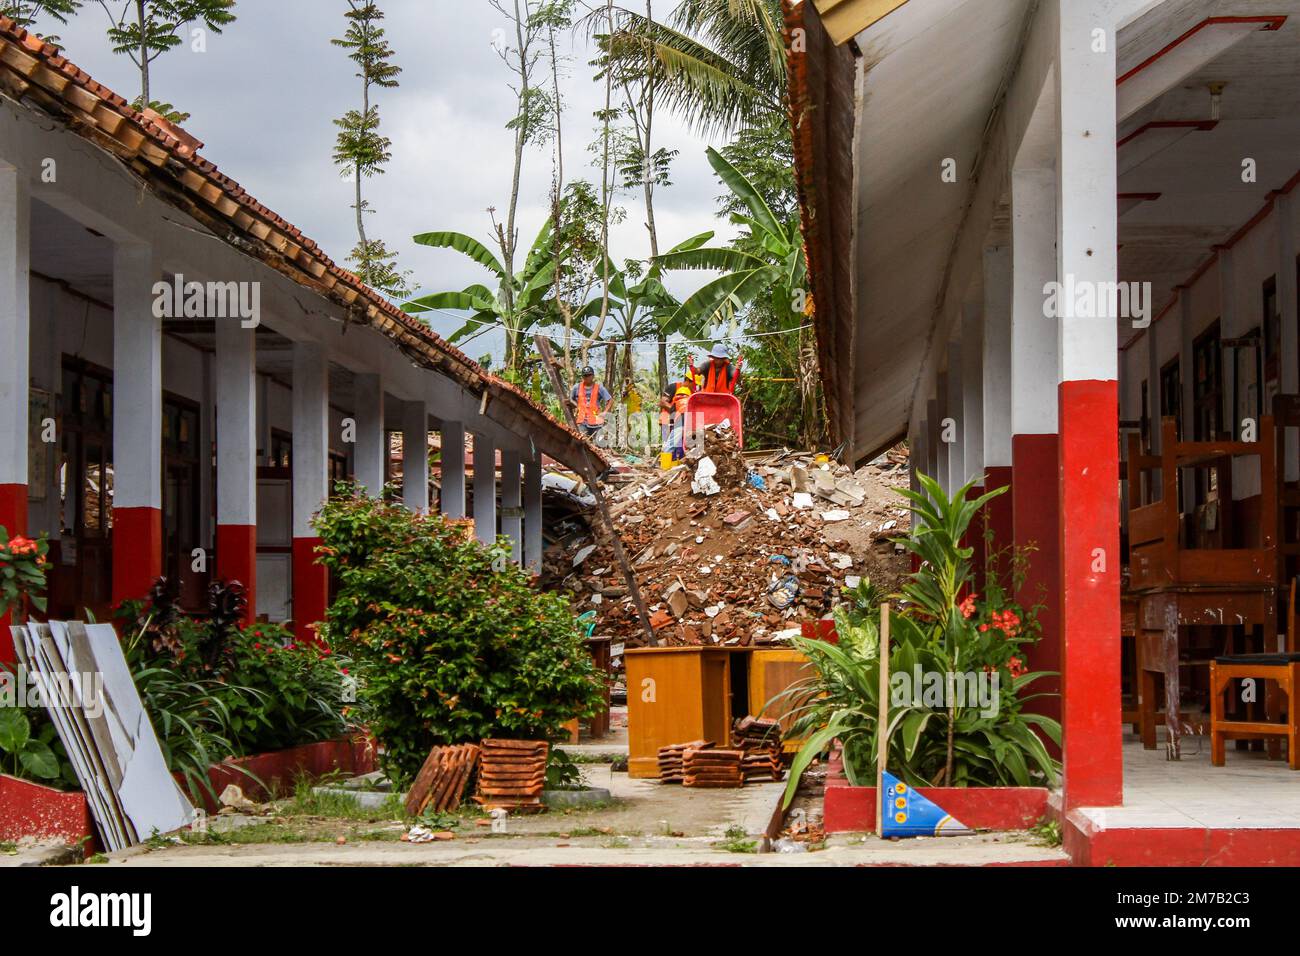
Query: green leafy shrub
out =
(457, 646)
(938, 628)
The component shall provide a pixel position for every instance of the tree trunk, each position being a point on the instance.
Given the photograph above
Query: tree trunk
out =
(144, 58)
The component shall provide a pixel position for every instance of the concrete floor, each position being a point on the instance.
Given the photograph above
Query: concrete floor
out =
(1249, 791)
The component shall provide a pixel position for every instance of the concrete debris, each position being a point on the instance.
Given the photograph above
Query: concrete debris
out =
(743, 565)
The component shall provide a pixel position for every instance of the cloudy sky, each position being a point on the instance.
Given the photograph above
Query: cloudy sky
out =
(265, 92)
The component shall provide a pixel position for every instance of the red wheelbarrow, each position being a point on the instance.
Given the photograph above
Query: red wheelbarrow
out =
(712, 408)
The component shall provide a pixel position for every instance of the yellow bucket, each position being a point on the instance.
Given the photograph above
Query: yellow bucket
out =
(665, 460)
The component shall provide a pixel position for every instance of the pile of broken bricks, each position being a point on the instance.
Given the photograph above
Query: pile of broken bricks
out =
(732, 549)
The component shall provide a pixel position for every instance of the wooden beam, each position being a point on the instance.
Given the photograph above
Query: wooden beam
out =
(845, 19)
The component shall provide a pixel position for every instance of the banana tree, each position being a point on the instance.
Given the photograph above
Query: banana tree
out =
(763, 271)
(521, 302)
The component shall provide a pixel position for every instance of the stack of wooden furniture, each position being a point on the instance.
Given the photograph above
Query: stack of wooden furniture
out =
(1175, 585)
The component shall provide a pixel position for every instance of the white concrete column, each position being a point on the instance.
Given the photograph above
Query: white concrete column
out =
(236, 424)
(371, 447)
(1289, 364)
(485, 489)
(1034, 363)
(452, 461)
(933, 429)
(137, 378)
(972, 390)
(956, 408)
(15, 347)
(310, 435)
(415, 456)
(512, 510)
(997, 357)
(533, 541)
(939, 427)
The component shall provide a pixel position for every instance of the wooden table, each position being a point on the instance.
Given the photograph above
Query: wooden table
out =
(1161, 613)
(599, 648)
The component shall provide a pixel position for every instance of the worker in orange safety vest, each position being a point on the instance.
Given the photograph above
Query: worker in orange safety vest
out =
(591, 402)
(720, 375)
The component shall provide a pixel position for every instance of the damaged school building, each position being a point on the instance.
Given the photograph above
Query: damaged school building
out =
(1054, 246)
(184, 374)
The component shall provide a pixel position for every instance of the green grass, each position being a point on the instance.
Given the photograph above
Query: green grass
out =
(735, 841)
(340, 806)
(1048, 832)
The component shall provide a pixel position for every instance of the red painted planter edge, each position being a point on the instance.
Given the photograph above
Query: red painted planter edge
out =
(850, 809)
(33, 810)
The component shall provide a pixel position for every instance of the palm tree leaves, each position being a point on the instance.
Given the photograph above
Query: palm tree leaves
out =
(464, 244)
(734, 180)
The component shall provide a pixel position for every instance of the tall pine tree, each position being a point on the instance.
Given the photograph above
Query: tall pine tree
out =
(360, 149)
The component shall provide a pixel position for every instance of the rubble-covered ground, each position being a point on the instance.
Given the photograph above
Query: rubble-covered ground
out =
(736, 549)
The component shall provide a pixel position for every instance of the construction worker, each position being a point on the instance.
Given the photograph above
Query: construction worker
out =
(591, 402)
(668, 405)
(677, 439)
(719, 374)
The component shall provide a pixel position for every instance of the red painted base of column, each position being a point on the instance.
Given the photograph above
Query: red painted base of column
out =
(310, 589)
(137, 552)
(1035, 505)
(13, 517)
(1090, 618)
(237, 561)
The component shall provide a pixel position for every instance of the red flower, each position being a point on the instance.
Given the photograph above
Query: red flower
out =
(967, 606)
(1016, 666)
(257, 647)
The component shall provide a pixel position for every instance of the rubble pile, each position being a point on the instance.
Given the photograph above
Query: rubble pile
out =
(736, 549)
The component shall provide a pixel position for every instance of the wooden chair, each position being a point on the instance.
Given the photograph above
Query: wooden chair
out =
(1282, 670)
(1178, 586)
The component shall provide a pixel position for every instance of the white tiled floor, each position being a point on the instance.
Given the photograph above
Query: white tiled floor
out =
(1249, 792)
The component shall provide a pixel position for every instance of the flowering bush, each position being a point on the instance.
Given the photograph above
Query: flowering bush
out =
(23, 565)
(458, 645)
(957, 666)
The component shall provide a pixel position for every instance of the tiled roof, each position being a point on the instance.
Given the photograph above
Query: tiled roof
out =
(167, 159)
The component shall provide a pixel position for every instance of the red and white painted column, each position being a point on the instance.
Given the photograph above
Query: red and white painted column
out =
(996, 387)
(236, 388)
(137, 422)
(310, 484)
(512, 506)
(452, 464)
(371, 448)
(1035, 506)
(533, 513)
(1088, 402)
(15, 333)
(415, 456)
(485, 489)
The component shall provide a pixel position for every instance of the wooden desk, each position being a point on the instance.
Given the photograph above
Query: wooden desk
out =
(1160, 614)
(675, 695)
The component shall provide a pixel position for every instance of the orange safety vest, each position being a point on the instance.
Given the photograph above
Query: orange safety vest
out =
(589, 405)
(720, 378)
